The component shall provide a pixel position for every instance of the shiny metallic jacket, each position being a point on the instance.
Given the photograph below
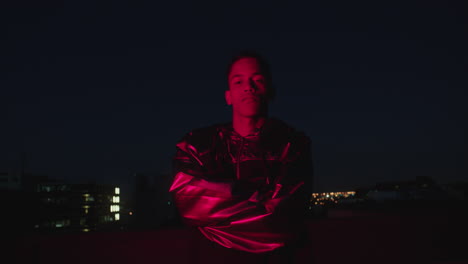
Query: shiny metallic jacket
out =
(247, 193)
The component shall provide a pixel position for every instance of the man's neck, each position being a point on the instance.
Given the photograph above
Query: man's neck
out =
(245, 126)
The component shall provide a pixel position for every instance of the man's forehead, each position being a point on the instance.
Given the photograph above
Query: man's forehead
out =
(245, 66)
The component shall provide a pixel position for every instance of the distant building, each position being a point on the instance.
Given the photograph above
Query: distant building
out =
(78, 207)
(153, 207)
(421, 189)
(10, 181)
(22, 181)
(457, 190)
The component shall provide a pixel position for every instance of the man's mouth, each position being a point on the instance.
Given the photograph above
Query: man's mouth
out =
(250, 98)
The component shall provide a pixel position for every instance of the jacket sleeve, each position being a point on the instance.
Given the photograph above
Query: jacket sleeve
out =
(203, 202)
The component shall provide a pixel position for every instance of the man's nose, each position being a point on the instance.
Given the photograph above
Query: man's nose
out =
(251, 86)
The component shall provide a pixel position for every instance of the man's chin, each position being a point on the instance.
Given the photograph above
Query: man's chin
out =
(251, 113)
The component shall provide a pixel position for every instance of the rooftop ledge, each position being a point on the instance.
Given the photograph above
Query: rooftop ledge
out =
(346, 236)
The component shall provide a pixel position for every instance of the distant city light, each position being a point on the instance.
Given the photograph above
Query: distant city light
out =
(130, 213)
(330, 197)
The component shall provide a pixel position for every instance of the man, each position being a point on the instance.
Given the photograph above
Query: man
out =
(245, 185)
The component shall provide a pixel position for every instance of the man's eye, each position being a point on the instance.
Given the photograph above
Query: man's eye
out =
(238, 82)
(260, 80)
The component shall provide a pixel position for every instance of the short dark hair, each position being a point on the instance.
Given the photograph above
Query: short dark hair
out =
(264, 67)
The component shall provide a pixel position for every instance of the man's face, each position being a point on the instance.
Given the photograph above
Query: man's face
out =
(247, 88)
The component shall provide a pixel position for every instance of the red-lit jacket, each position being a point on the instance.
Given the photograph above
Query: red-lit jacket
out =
(247, 193)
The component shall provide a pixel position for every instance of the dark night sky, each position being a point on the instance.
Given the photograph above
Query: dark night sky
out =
(103, 89)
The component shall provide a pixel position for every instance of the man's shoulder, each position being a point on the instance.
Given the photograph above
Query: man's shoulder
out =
(207, 131)
(204, 136)
(283, 136)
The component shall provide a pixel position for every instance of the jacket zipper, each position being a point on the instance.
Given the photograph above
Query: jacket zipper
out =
(238, 158)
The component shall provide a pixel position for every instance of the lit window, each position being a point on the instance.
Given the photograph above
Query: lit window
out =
(114, 208)
(117, 217)
(117, 190)
(60, 223)
(116, 199)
